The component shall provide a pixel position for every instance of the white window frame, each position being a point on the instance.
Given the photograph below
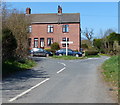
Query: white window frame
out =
(50, 28)
(65, 28)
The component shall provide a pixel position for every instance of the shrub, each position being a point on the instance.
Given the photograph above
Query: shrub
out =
(55, 46)
(48, 49)
(9, 44)
(84, 46)
(91, 52)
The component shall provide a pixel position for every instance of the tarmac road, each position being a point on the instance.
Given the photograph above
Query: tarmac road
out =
(58, 81)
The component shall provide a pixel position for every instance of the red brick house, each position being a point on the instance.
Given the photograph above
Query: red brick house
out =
(55, 27)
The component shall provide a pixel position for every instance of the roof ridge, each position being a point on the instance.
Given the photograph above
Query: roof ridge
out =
(52, 13)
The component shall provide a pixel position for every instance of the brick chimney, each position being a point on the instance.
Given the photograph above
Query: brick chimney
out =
(28, 11)
(59, 9)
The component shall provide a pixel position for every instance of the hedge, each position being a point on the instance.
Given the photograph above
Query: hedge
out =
(91, 52)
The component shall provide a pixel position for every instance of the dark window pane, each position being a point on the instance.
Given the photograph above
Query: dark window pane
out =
(49, 41)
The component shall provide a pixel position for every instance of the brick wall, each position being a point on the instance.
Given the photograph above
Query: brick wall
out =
(40, 31)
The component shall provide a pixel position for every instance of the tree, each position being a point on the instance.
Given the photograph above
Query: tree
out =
(114, 42)
(89, 35)
(106, 41)
(17, 22)
(109, 44)
(98, 44)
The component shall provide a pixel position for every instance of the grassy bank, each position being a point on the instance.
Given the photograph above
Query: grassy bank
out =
(12, 66)
(110, 70)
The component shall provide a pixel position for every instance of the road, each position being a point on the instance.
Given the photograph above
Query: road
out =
(58, 81)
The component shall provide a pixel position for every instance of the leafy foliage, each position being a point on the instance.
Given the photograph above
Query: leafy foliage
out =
(108, 44)
(91, 52)
(9, 44)
(84, 46)
(14, 33)
(55, 46)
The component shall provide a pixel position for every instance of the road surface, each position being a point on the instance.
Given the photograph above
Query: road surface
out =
(58, 81)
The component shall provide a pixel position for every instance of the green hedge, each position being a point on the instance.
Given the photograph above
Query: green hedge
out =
(91, 52)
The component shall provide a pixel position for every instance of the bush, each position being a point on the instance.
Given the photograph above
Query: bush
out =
(48, 49)
(91, 52)
(9, 44)
(55, 46)
(84, 46)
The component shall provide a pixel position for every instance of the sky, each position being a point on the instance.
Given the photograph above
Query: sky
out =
(93, 15)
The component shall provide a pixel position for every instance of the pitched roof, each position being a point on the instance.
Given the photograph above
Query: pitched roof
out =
(55, 18)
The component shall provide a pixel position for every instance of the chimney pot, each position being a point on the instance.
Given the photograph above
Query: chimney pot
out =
(59, 9)
(28, 11)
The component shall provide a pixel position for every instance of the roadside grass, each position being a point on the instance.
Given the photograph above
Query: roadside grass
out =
(64, 57)
(92, 56)
(11, 66)
(104, 54)
(111, 70)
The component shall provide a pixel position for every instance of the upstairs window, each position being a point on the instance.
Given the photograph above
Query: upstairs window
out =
(65, 28)
(30, 29)
(49, 41)
(50, 28)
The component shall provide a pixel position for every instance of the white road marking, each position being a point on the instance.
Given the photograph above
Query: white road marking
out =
(61, 70)
(28, 90)
(93, 58)
(62, 63)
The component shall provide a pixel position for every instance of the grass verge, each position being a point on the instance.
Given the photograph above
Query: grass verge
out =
(12, 66)
(110, 70)
(92, 56)
(104, 54)
(64, 57)
(73, 57)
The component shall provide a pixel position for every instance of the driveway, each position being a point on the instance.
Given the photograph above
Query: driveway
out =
(58, 81)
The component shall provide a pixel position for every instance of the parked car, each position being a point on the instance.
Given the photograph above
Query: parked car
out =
(40, 52)
(70, 52)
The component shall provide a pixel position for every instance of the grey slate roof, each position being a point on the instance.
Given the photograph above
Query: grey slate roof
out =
(55, 18)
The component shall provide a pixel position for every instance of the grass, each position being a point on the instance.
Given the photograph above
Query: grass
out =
(104, 54)
(12, 66)
(73, 57)
(92, 56)
(110, 70)
(64, 57)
